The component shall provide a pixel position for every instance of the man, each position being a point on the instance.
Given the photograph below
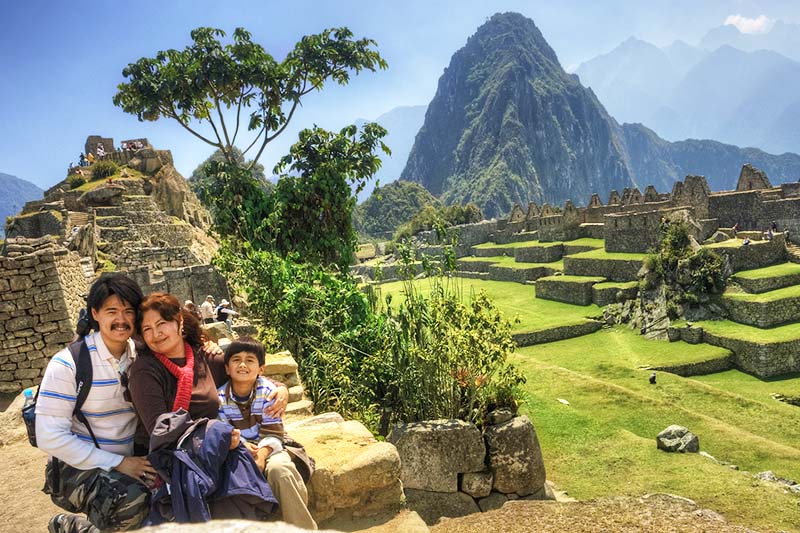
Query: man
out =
(207, 310)
(225, 313)
(107, 483)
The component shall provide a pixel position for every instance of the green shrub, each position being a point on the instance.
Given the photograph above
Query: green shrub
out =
(75, 180)
(104, 169)
(428, 357)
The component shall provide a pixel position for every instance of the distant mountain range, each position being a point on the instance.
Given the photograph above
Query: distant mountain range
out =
(16, 192)
(507, 125)
(727, 88)
(402, 123)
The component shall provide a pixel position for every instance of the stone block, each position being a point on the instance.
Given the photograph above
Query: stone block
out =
(355, 473)
(20, 283)
(27, 373)
(295, 393)
(432, 506)
(279, 363)
(434, 453)
(515, 457)
(477, 484)
(302, 407)
(493, 501)
(20, 323)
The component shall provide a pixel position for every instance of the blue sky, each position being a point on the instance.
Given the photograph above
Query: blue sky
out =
(60, 61)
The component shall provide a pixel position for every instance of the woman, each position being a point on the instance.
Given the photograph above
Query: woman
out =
(177, 371)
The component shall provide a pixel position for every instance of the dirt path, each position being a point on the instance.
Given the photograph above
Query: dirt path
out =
(23, 505)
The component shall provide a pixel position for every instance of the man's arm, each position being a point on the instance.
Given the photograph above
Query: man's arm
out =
(54, 436)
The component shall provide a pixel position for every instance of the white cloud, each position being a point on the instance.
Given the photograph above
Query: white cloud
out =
(760, 24)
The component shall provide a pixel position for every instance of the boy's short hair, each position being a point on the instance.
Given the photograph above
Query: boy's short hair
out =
(245, 344)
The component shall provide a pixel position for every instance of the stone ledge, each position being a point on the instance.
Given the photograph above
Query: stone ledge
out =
(568, 289)
(699, 368)
(556, 334)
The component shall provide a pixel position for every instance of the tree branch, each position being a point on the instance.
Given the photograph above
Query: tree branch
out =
(173, 114)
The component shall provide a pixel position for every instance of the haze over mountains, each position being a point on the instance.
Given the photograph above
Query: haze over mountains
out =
(16, 192)
(733, 87)
(508, 125)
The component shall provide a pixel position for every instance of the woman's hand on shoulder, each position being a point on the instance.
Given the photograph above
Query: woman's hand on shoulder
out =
(212, 349)
(278, 407)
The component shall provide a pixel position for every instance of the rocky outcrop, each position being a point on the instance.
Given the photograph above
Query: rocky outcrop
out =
(678, 439)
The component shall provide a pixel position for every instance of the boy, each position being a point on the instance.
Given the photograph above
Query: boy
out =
(242, 403)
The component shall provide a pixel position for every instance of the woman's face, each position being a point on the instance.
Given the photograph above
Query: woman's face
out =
(162, 336)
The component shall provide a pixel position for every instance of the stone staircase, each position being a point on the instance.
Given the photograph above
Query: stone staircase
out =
(793, 251)
(78, 218)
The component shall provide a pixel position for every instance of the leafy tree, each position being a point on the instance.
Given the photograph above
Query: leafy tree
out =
(200, 180)
(196, 83)
(390, 206)
(312, 213)
(432, 216)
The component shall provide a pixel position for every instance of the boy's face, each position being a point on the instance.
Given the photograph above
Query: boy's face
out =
(243, 367)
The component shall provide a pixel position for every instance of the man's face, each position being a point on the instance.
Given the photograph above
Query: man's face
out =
(115, 318)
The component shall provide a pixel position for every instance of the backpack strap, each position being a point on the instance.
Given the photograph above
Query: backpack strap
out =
(83, 381)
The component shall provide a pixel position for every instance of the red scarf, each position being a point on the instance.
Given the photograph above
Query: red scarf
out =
(184, 375)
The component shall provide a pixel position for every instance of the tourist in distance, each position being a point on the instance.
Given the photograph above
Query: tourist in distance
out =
(207, 310)
(101, 152)
(189, 306)
(225, 313)
(243, 399)
(106, 480)
(177, 372)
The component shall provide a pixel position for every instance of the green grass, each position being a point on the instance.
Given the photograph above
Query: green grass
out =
(508, 261)
(574, 279)
(734, 330)
(521, 244)
(616, 285)
(586, 241)
(764, 297)
(602, 254)
(513, 299)
(752, 387)
(734, 243)
(603, 443)
(95, 183)
(774, 271)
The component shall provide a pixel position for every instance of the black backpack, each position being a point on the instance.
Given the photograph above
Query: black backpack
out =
(83, 383)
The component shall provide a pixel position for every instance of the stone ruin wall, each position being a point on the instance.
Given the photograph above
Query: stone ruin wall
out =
(191, 283)
(627, 219)
(43, 289)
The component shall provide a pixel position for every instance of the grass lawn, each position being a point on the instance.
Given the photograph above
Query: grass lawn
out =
(734, 330)
(616, 285)
(586, 241)
(574, 279)
(603, 443)
(520, 244)
(508, 261)
(769, 296)
(600, 253)
(513, 299)
(734, 243)
(774, 271)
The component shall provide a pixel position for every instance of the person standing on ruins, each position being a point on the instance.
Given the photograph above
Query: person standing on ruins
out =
(93, 469)
(207, 310)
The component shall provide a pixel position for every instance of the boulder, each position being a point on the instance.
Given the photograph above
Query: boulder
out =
(355, 474)
(678, 439)
(434, 453)
(493, 501)
(106, 195)
(432, 506)
(515, 457)
(477, 484)
(279, 363)
(216, 331)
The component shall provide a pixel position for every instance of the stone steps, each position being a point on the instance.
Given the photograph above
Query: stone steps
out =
(78, 218)
(793, 251)
(764, 310)
(87, 266)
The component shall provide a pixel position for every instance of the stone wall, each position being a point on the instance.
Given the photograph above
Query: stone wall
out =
(756, 286)
(756, 255)
(559, 333)
(566, 289)
(190, 283)
(609, 293)
(763, 314)
(763, 360)
(611, 269)
(42, 288)
(450, 468)
(39, 224)
(519, 275)
(699, 368)
(538, 254)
